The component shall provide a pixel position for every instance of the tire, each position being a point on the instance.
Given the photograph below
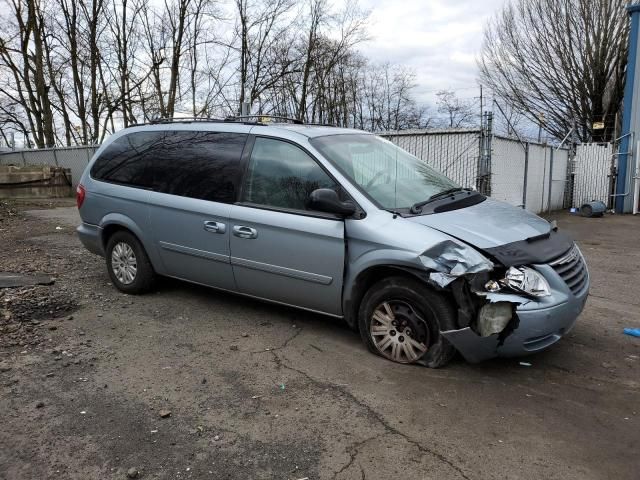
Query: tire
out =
(129, 252)
(407, 324)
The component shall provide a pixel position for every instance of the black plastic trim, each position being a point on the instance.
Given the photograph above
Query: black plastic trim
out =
(535, 250)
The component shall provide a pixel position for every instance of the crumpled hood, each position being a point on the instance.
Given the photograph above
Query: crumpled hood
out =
(487, 224)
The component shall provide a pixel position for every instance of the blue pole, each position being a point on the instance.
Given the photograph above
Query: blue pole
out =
(627, 105)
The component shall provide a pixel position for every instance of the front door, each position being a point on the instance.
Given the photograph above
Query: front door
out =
(280, 250)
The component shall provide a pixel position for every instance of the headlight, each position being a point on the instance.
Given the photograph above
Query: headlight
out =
(526, 280)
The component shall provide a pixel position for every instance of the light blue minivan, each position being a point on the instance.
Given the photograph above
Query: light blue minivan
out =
(334, 221)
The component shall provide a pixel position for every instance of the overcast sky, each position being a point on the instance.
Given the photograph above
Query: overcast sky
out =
(438, 39)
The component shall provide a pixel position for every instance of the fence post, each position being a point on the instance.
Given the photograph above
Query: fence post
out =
(483, 171)
(24, 160)
(550, 180)
(55, 157)
(526, 174)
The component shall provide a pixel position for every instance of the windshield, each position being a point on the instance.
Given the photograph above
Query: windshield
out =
(395, 179)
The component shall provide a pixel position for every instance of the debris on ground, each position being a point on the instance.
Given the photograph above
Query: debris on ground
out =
(525, 364)
(132, 473)
(13, 280)
(164, 413)
(634, 332)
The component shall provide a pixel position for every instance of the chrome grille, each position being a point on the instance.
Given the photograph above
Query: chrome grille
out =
(571, 267)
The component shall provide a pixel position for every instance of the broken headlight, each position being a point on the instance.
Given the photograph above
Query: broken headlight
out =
(526, 280)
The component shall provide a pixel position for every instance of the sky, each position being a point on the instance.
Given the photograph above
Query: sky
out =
(438, 39)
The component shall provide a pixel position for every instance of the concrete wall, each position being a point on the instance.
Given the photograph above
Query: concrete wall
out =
(34, 182)
(73, 158)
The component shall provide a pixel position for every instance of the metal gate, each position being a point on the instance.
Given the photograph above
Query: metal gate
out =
(592, 173)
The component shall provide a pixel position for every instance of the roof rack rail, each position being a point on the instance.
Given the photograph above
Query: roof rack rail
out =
(166, 121)
(246, 119)
(186, 120)
(269, 117)
(319, 124)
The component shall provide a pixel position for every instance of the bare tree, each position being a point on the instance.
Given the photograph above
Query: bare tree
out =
(564, 59)
(458, 113)
(22, 53)
(72, 71)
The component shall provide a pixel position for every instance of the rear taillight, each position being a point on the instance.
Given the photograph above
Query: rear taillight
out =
(80, 193)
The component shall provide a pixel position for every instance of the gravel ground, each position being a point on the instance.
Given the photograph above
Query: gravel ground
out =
(188, 382)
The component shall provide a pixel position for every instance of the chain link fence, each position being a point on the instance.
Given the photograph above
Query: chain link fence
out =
(528, 174)
(452, 152)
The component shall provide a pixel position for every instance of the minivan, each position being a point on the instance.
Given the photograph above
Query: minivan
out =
(335, 221)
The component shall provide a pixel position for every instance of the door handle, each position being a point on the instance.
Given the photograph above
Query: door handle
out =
(244, 232)
(215, 227)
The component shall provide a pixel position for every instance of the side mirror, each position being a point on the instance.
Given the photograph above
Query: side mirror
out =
(326, 200)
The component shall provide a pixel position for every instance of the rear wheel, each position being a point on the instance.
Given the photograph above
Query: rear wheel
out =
(128, 265)
(401, 319)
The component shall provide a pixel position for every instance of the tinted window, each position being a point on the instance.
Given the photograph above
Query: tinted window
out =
(282, 175)
(203, 165)
(127, 159)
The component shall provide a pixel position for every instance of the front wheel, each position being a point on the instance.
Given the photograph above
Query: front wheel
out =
(401, 319)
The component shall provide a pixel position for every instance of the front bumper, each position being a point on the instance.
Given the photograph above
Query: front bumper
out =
(540, 323)
(91, 238)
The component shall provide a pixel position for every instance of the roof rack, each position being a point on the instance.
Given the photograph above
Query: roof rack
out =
(245, 119)
(186, 120)
(163, 121)
(268, 117)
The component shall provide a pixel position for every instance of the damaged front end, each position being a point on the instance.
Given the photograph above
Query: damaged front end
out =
(486, 314)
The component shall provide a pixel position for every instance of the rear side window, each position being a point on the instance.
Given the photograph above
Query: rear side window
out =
(282, 175)
(127, 159)
(203, 165)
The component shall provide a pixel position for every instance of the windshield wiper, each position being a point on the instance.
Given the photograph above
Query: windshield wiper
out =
(417, 207)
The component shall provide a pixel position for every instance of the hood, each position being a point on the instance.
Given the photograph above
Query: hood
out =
(486, 225)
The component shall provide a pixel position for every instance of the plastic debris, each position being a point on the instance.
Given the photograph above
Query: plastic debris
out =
(525, 364)
(634, 332)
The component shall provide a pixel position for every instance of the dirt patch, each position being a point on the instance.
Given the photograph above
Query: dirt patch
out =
(23, 309)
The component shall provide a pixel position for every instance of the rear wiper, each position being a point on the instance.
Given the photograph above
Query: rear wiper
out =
(417, 207)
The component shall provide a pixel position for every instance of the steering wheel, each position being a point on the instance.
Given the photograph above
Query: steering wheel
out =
(376, 177)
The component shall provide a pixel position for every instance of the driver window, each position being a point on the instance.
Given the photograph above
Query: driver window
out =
(282, 175)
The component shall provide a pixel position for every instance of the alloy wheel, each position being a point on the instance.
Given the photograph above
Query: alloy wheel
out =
(124, 263)
(398, 332)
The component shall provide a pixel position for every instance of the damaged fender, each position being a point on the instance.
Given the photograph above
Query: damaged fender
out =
(449, 260)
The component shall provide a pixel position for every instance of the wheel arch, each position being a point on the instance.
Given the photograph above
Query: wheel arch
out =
(365, 278)
(114, 222)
